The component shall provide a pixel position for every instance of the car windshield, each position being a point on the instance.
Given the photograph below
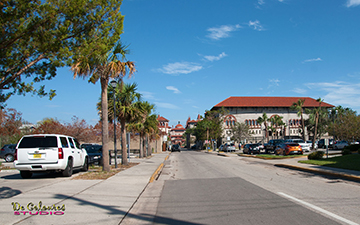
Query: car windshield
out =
(38, 142)
(93, 149)
(298, 141)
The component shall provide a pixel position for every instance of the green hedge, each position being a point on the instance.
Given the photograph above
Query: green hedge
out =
(316, 155)
(353, 148)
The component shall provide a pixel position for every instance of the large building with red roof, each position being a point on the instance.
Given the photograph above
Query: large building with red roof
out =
(248, 109)
(176, 134)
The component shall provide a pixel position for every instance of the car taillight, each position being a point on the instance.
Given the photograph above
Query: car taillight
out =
(2, 149)
(61, 153)
(287, 146)
(15, 155)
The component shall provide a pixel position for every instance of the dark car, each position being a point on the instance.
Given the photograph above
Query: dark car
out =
(175, 148)
(95, 153)
(251, 149)
(7, 152)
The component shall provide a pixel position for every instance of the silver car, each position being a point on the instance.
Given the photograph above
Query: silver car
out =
(229, 147)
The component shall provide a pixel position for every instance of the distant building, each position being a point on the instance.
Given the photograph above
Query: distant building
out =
(176, 134)
(164, 131)
(248, 109)
(190, 139)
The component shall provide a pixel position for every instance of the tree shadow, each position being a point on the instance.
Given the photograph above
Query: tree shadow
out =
(112, 210)
(7, 192)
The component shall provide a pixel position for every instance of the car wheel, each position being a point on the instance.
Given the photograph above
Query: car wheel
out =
(69, 169)
(25, 174)
(86, 165)
(9, 158)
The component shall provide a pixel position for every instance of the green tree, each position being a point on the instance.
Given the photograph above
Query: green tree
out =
(144, 123)
(298, 106)
(37, 37)
(10, 123)
(127, 102)
(263, 120)
(344, 124)
(102, 67)
(240, 132)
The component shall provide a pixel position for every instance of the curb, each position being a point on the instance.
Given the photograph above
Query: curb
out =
(158, 170)
(323, 172)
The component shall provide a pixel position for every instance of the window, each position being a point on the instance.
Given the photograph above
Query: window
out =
(71, 143)
(64, 142)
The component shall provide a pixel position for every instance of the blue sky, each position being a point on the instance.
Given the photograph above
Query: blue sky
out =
(192, 54)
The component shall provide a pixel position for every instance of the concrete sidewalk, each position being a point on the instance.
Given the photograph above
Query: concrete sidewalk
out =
(86, 201)
(293, 163)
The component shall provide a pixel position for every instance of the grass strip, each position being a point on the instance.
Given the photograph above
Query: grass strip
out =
(349, 162)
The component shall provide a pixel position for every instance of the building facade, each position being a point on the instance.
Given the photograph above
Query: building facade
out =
(248, 109)
(176, 134)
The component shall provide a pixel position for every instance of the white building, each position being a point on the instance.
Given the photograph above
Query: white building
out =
(248, 109)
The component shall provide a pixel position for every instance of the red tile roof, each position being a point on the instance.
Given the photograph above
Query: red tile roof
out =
(160, 118)
(268, 102)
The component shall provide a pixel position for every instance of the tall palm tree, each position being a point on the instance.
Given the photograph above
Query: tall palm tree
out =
(102, 67)
(298, 106)
(127, 104)
(139, 124)
(263, 120)
(151, 129)
(317, 116)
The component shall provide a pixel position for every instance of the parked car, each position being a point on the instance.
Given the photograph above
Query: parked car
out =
(221, 147)
(288, 148)
(270, 147)
(49, 152)
(7, 152)
(340, 144)
(315, 144)
(321, 143)
(94, 152)
(229, 147)
(305, 146)
(251, 149)
(175, 148)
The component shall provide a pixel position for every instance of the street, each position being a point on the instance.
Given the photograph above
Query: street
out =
(200, 188)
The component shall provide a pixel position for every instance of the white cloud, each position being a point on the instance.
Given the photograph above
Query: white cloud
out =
(256, 25)
(312, 60)
(340, 93)
(216, 33)
(166, 105)
(180, 68)
(147, 95)
(172, 88)
(215, 58)
(261, 2)
(352, 3)
(274, 82)
(300, 91)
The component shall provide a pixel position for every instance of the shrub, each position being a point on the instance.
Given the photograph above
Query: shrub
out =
(353, 148)
(316, 155)
(346, 151)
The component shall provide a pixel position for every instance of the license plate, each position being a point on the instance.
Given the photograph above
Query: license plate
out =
(295, 151)
(37, 156)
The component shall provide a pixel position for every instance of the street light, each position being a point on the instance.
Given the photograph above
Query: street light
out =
(113, 85)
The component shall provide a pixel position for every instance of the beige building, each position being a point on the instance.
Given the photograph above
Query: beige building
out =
(248, 109)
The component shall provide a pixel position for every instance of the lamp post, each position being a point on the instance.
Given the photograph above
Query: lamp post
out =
(113, 85)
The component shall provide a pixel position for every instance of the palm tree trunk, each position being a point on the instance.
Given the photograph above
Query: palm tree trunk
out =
(141, 153)
(143, 146)
(315, 132)
(105, 124)
(123, 143)
(303, 126)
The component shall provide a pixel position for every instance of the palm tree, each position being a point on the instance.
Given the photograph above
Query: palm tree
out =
(317, 115)
(139, 124)
(263, 120)
(127, 104)
(104, 67)
(298, 106)
(151, 128)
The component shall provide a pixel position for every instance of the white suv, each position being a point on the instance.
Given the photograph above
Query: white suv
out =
(49, 152)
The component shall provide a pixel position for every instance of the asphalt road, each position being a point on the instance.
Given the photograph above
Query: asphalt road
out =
(200, 188)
